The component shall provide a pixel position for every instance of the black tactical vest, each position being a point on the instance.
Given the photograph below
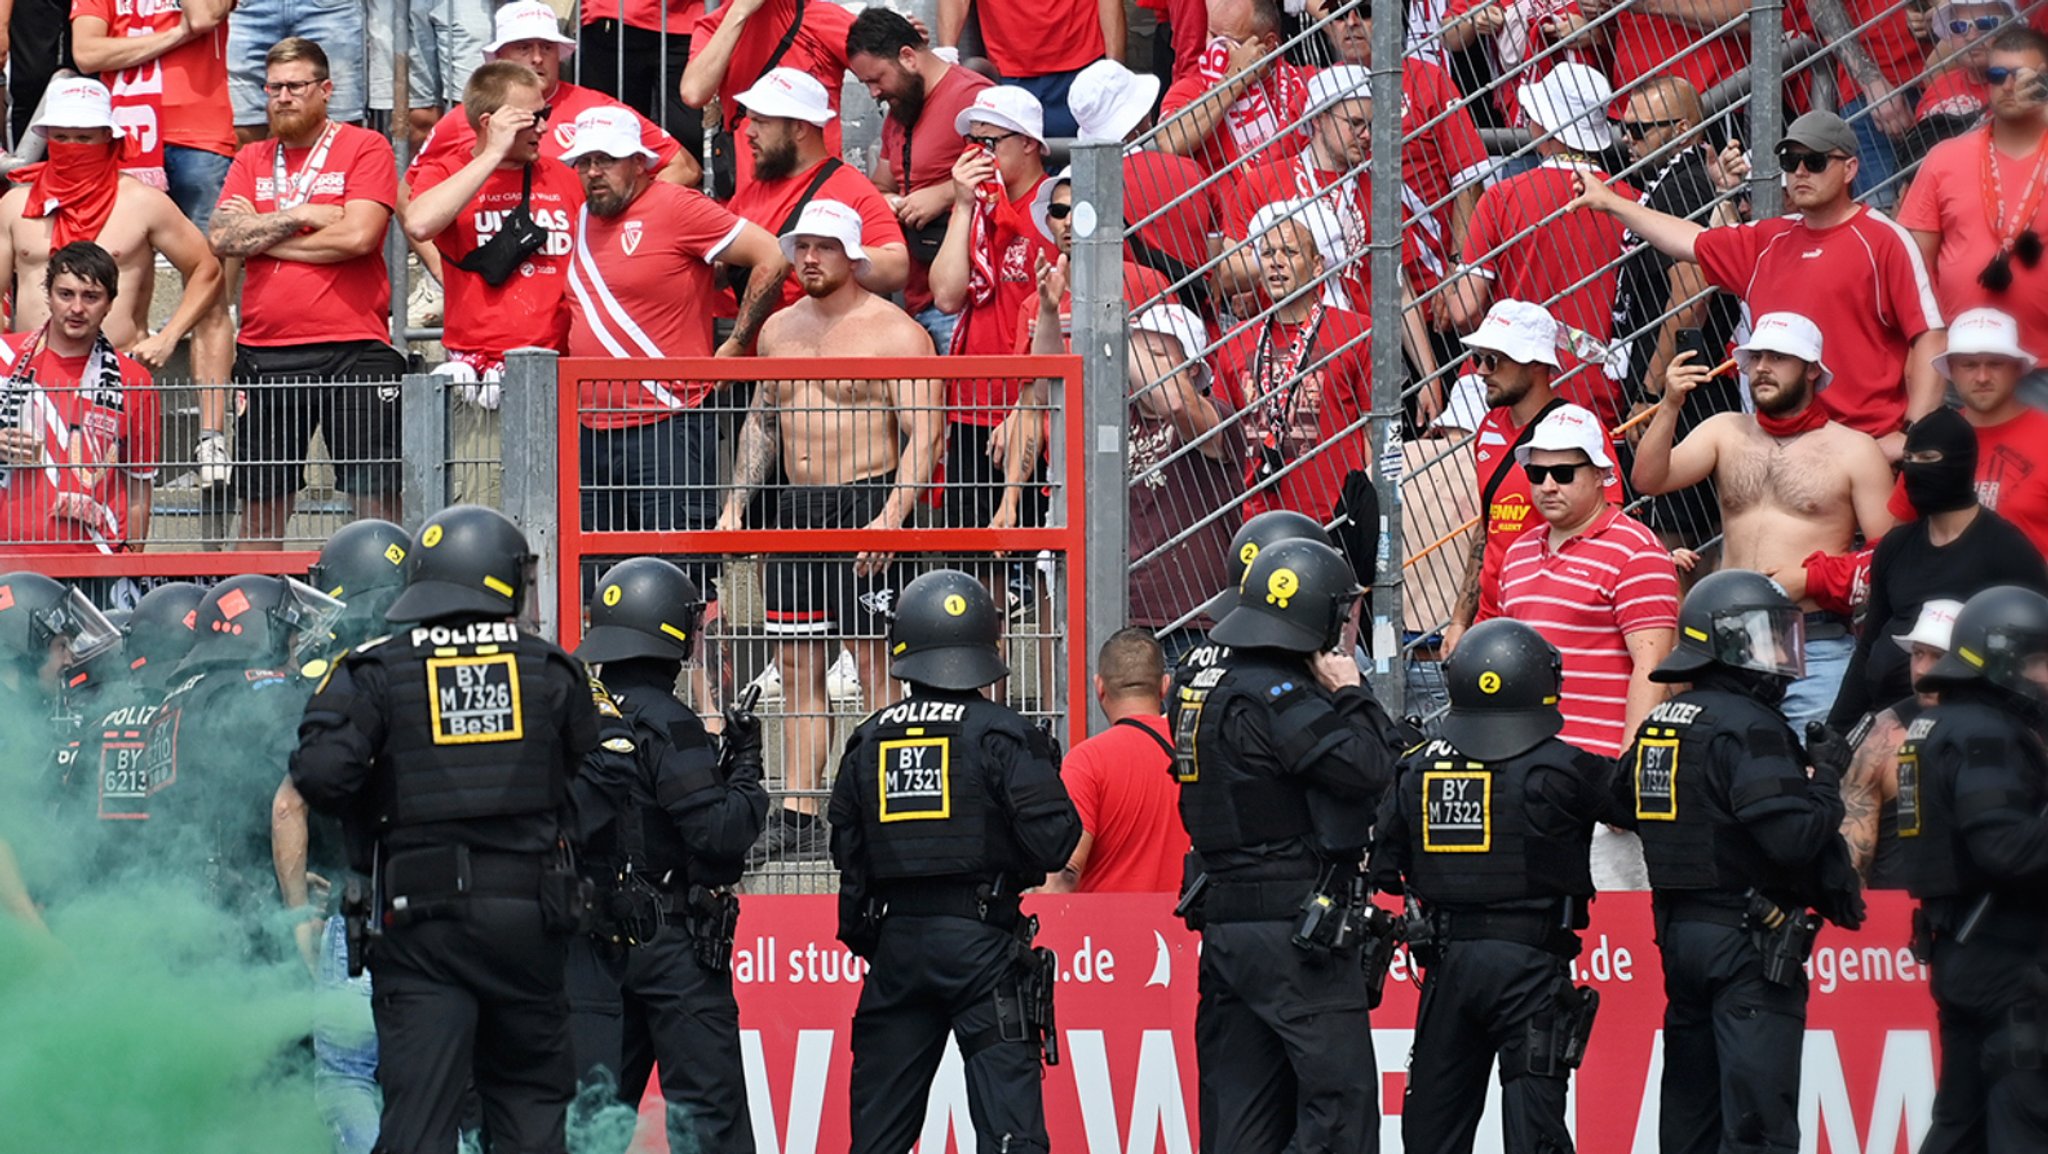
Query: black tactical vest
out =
(1933, 810)
(212, 759)
(1473, 840)
(1678, 777)
(103, 763)
(922, 787)
(675, 761)
(1230, 800)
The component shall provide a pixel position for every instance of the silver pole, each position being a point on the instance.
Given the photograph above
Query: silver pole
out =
(528, 409)
(1097, 264)
(424, 443)
(395, 250)
(1389, 368)
(1766, 104)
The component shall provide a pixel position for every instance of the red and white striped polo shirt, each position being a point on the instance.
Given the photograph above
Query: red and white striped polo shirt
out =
(1585, 598)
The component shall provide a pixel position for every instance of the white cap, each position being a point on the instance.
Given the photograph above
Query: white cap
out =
(1335, 85)
(76, 102)
(528, 20)
(1005, 106)
(1787, 333)
(1176, 321)
(1522, 332)
(1042, 199)
(1571, 103)
(832, 220)
(1984, 332)
(1108, 100)
(1323, 228)
(1568, 427)
(608, 130)
(789, 94)
(1466, 408)
(1945, 14)
(1935, 627)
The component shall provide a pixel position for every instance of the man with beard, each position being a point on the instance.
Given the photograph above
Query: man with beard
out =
(786, 117)
(920, 141)
(838, 443)
(305, 211)
(1790, 480)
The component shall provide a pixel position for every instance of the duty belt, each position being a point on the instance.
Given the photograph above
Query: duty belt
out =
(1718, 909)
(1264, 901)
(456, 871)
(951, 898)
(1539, 928)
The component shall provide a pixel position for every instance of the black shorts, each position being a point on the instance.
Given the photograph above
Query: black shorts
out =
(360, 420)
(974, 486)
(820, 596)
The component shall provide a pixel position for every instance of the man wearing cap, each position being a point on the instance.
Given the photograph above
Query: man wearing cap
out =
(984, 273)
(1236, 102)
(1173, 211)
(1522, 245)
(1984, 363)
(858, 455)
(732, 48)
(925, 96)
(306, 211)
(1964, 208)
(785, 131)
(1877, 311)
(168, 62)
(1040, 47)
(1791, 482)
(80, 194)
(528, 32)
(1870, 786)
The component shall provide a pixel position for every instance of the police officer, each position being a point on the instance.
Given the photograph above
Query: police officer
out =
(1741, 832)
(49, 636)
(1973, 818)
(363, 566)
(692, 817)
(946, 808)
(1282, 756)
(453, 745)
(1488, 830)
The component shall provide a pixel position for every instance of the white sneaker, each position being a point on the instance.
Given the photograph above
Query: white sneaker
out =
(214, 468)
(423, 309)
(769, 683)
(842, 681)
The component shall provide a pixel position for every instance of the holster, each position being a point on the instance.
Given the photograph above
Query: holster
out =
(1922, 941)
(1330, 917)
(1419, 929)
(1783, 937)
(358, 921)
(1376, 951)
(628, 910)
(1555, 1042)
(1189, 909)
(713, 918)
(566, 896)
(860, 918)
(1029, 1016)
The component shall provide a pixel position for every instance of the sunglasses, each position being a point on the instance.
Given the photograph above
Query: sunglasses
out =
(1638, 129)
(542, 113)
(1998, 76)
(1814, 162)
(988, 143)
(1058, 211)
(1981, 24)
(1489, 361)
(1562, 474)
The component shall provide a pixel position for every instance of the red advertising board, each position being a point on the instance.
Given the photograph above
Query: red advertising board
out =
(1126, 1082)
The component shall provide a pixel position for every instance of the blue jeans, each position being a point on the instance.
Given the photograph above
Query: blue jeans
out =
(335, 25)
(344, 1048)
(1051, 91)
(940, 325)
(1810, 697)
(1877, 163)
(195, 176)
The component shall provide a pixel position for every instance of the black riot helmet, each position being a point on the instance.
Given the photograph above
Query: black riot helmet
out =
(1737, 620)
(1296, 596)
(363, 566)
(1260, 533)
(159, 630)
(644, 607)
(1999, 634)
(1503, 680)
(258, 621)
(944, 633)
(468, 561)
(36, 613)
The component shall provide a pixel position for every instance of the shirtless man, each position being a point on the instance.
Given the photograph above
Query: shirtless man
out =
(838, 441)
(134, 223)
(1791, 482)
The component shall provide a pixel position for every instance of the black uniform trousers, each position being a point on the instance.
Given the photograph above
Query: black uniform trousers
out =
(659, 1007)
(1284, 1045)
(1731, 1045)
(1982, 1102)
(473, 996)
(1479, 1001)
(931, 976)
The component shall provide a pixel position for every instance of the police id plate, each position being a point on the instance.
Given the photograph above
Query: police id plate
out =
(1909, 790)
(1656, 777)
(915, 775)
(475, 699)
(1457, 810)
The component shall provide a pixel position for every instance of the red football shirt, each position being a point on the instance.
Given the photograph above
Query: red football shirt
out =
(1156, 180)
(1026, 38)
(1585, 598)
(673, 17)
(1122, 784)
(1255, 122)
(934, 146)
(991, 329)
(94, 445)
(189, 83)
(1861, 282)
(2012, 475)
(289, 302)
(453, 136)
(531, 308)
(1952, 93)
(1312, 411)
(819, 49)
(1644, 45)
(1948, 197)
(1512, 510)
(770, 203)
(1440, 147)
(640, 286)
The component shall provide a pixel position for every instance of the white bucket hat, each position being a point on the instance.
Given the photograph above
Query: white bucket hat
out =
(76, 102)
(1522, 332)
(1984, 332)
(1334, 86)
(1041, 201)
(1568, 427)
(1109, 100)
(1571, 103)
(1935, 627)
(610, 130)
(1005, 106)
(832, 220)
(1176, 321)
(527, 20)
(789, 94)
(1787, 333)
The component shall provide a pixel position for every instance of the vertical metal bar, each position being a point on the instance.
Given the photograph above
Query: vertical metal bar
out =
(1389, 368)
(1766, 104)
(395, 250)
(424, 443)
(1102, 341)
(528, 409)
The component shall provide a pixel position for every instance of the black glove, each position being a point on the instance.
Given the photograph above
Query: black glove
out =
(1828, 752)
(741, 755)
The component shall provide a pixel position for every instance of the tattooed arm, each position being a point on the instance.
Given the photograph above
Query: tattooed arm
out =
(1467, 606)
(754, 249)
(760, 441)
(1872, 776)
(239, 230)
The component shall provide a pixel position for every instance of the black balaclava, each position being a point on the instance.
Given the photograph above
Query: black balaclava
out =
(1949, 484)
